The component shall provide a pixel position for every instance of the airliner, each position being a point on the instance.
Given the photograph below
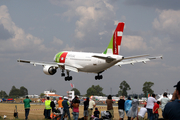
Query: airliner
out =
(91, 62)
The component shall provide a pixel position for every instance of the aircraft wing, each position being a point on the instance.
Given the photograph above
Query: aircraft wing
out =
(132, 60)
(73, 68)
(39, 63)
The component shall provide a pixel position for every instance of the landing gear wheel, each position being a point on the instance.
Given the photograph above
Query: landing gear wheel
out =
(98, 77)
(62, 74)
(68, 78)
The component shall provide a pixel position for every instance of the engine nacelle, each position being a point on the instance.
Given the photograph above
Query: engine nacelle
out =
(49, 70)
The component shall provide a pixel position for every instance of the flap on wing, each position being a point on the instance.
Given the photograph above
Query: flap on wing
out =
(70, 68)
(108, 58)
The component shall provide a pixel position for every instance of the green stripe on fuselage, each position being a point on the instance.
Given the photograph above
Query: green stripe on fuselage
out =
(58, 56)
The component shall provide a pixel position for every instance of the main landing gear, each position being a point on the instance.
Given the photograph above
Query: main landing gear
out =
(67, 78)
(98, 77)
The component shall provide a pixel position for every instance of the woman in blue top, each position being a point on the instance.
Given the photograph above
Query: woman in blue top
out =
(127, 106)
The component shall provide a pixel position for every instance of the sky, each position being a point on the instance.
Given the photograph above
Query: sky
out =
(37, 30)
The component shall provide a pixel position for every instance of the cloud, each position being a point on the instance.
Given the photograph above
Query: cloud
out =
(168, 24)
(158, 4)
(57, 41)
(4, 34)
(90, 13)
(17, 39)
(134, 43)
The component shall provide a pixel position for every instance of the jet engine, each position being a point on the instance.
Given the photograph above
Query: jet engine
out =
(49, 70)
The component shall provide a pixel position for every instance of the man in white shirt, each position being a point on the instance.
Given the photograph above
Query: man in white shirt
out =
(150, 105)
(92, 104)
(142, 112)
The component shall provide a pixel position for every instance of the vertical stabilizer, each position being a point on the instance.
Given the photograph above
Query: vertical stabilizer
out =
(115, 43)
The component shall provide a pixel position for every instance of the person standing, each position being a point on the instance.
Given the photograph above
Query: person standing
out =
(171, 110)
(155, 110)
(164, 101)
(75, 105)
(127, 106)
(47, 108)
(150, 105)
(121, 107)
(109, 103)
(26, 106)
(134, 109)
(53, 105)
(86, 105)
(60, 107)
(92, 104)
(66, 106)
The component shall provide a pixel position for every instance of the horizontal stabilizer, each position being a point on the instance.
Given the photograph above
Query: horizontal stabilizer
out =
(108, 58)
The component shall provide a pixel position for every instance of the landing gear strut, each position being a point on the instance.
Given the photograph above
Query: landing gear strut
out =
(68, 78)
(62, 74)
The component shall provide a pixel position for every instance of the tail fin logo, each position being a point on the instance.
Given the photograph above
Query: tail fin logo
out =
(115, 43)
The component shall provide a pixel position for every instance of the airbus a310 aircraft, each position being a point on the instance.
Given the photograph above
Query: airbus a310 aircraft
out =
(91, 62)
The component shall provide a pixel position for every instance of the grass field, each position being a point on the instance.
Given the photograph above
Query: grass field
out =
(36, 111)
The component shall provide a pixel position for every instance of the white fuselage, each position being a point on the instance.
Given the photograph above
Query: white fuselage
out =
(85, 62)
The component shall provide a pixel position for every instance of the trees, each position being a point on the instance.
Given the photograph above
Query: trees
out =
(76, 91)
(14, 92)
(147, 88)
(23, 91)
(42, 95)
(124, 86)
(3, 94)
(95, 90)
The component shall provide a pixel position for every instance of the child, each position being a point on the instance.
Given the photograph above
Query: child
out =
(96, 113)
(155, 110)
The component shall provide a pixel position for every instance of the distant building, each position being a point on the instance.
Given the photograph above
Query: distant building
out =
(70, 95)
(51, 94)
(33, 96)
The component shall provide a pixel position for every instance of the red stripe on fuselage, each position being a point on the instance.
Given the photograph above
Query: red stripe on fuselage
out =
(63, 57)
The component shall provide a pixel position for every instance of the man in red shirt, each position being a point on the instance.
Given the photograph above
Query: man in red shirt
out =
(155, 110)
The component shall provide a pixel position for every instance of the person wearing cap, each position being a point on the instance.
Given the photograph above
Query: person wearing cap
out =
(127, 106)
(121, 107)
(27, 106)
(65, 104)
(171, 110)
(86, 105)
